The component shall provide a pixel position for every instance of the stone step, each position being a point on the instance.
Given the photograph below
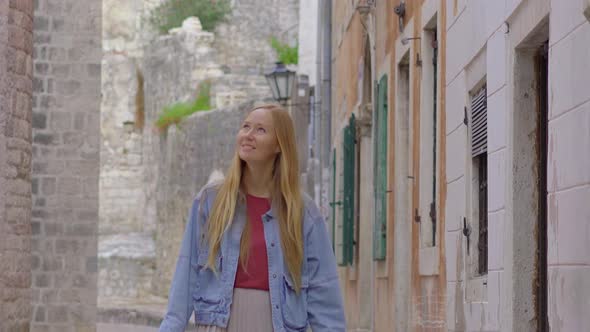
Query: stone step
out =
(126, 264)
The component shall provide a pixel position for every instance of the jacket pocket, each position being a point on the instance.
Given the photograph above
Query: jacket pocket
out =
(207, 295)
(294, 306)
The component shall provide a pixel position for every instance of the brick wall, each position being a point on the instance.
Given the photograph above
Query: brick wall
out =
(16, 25)
(66, 122)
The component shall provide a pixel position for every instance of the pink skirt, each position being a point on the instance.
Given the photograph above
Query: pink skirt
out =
(250, 312)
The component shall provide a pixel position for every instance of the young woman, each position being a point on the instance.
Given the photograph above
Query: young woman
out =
(256, 255)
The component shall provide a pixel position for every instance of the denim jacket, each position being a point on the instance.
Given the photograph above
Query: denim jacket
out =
(197, 289)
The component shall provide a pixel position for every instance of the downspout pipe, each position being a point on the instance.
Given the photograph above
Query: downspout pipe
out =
(326, 99)
(317, 108)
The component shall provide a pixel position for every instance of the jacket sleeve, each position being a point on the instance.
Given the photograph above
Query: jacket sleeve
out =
(183, 283)
(325, 310)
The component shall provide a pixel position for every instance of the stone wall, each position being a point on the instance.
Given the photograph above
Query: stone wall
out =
(16, 43)
(234, 61)
(125, 35)
(66, 106)
(173, 67)
(243, 50)
(243, 41)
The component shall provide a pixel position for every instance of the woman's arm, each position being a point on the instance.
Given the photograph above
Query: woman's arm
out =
(325, 310)
(183, 283)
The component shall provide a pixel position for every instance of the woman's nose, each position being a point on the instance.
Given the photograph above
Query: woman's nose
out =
(249, 133)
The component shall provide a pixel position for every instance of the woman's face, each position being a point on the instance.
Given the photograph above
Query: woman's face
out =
(257, 140)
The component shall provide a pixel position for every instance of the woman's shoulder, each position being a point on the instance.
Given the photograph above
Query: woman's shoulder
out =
(207, 193)
(209, 189)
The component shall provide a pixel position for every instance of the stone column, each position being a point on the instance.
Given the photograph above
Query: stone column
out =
(66, 125)
(16, 46)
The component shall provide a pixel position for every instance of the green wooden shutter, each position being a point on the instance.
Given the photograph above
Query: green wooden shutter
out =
(348, 202)
(380, 172)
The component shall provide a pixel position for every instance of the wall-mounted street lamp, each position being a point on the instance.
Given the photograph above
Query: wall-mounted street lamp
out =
(281, 81)
(400, 11)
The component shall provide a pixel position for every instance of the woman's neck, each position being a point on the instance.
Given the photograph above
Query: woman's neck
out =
(257, 180)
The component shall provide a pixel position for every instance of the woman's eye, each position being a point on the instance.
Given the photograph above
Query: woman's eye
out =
(261, 130)
(246, 126)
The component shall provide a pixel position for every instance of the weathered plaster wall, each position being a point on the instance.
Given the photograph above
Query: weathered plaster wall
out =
(568, 175)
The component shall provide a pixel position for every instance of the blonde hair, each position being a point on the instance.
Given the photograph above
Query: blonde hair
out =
(286, 199)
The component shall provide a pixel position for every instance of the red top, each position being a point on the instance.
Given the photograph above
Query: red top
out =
(256, 276)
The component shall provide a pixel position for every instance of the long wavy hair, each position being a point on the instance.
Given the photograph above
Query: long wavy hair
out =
(286, 199)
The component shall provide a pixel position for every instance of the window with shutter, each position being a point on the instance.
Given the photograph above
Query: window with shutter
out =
(380, 172)
(348, 188)
(479, 133)
(482, 242)
(479, 127)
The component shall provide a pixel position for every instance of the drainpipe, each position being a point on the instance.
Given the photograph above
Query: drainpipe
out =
(316, 116)
(326, 99)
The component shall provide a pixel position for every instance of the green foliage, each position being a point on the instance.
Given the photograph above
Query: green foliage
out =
(286, 54)
(171, 13)
(175, 113)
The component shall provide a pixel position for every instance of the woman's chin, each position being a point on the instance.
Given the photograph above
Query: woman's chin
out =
(245, 156)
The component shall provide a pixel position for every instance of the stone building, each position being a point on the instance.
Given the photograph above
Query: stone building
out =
(460, 188)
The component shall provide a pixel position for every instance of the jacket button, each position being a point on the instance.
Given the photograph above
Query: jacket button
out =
(276, 306)
(272, 244)
(274, 276)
